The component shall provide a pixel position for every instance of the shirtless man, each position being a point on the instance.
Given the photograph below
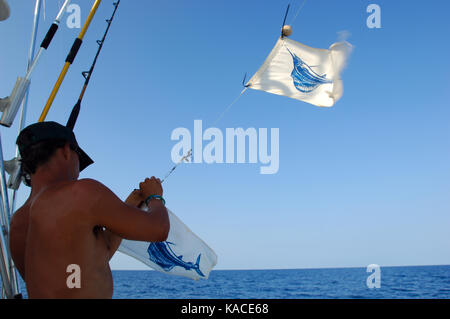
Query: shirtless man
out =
(67, 221)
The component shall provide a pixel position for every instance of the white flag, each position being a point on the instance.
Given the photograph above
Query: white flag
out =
(300, 72)
(182, 254)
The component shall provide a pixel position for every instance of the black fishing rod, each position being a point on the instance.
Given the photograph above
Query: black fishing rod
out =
(87, 74)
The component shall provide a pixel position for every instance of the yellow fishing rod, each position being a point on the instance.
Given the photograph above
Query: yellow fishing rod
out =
(69, 60)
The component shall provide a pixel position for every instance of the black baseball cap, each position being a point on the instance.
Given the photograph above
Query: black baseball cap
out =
(42, 131)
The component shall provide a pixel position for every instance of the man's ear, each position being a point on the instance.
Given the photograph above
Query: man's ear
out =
(66, 151)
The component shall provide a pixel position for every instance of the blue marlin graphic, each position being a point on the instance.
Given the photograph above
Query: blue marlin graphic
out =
(162, 255)
(305, 79)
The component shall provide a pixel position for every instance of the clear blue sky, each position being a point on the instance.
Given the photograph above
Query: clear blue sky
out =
(367, 181)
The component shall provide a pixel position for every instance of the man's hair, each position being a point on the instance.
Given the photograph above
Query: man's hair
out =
(39, 154)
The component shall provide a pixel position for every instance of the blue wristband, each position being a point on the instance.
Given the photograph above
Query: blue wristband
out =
(155, 196)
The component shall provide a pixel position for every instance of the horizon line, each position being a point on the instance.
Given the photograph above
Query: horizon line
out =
(308, 268)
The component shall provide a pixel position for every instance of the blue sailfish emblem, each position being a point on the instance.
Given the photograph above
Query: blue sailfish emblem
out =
(305, 79)
(161, 254)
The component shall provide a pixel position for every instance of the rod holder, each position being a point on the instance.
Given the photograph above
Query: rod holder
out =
(10, 105)
(12, 167)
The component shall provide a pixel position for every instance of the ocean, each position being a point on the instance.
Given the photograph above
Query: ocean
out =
(428, 282)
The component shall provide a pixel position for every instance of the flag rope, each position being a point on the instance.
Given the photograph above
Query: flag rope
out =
(298, 11)
(186, 157)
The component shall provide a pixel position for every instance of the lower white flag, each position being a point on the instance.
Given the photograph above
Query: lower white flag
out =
(300, 72)
(182, 254)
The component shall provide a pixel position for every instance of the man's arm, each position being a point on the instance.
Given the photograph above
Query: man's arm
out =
(104, 208)
(135, 199)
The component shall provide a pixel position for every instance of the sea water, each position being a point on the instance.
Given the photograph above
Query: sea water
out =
(427, 282)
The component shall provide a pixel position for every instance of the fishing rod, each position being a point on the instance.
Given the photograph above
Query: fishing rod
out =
(11, 104)
(69, 60)
(87, 74)
(48, 37)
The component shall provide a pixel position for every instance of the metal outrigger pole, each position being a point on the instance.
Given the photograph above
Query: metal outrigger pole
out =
(8, 278)
(23, 113)
(7, 268)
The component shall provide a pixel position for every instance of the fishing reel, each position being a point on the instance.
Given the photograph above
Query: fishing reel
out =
(10, 106)
(4, 10)
(13, 168)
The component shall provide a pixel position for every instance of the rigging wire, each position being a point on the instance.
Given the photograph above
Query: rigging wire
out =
(298, 11)
(186, 158)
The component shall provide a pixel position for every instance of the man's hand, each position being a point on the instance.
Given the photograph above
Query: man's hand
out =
(151, 186)
(136, 198)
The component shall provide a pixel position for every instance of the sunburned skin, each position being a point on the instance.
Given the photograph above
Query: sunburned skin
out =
(66, 221)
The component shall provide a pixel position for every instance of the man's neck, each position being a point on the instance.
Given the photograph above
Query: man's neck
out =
(40, 182)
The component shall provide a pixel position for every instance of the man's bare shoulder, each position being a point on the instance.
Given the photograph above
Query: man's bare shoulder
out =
(75, 200)
(19, 215)
(90, 188)
(84, 192)
(93, 192)
(19, 221)
(85, 188)
(88, 184)
(79, 195)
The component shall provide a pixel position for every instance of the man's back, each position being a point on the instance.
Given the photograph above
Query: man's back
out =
(59, 235)
(79, 225)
